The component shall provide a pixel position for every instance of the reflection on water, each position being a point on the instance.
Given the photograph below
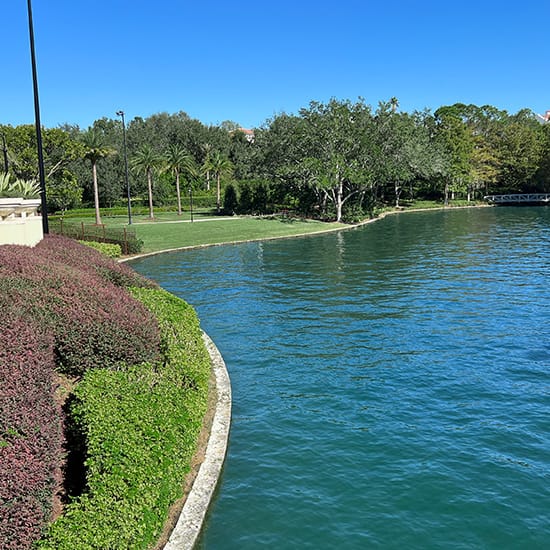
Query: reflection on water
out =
(391, 383)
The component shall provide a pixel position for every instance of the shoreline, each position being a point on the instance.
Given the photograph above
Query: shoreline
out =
(314, 233)
(204, 481)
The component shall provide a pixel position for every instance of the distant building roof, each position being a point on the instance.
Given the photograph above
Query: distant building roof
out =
(249, 134)
(543, 119)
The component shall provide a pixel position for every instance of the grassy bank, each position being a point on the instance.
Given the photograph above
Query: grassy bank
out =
(168, 230)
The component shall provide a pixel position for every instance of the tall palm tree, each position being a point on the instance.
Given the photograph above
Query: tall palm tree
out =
(178, 160)
(94, 150)
(207, 149)
(147, 161)
(220, 166)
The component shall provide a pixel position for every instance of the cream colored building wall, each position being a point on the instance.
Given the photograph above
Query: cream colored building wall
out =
(19, 223)
(26, 231)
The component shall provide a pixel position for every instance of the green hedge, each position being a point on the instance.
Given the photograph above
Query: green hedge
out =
(140, 428)
(110, 250)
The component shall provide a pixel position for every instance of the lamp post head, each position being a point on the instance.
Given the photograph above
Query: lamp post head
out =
(120, 113)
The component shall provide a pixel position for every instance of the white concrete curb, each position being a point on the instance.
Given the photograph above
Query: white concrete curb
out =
(187, 530)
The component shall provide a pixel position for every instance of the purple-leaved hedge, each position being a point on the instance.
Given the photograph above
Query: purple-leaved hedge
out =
(63, 307)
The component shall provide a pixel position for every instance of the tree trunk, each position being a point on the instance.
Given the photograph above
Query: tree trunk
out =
(397, 188)
(178, 192)
(339, 203)
(150, 190)
(218, 192)
(446, 192)
(96, 194)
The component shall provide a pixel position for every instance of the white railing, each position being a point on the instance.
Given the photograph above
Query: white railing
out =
(519, 198)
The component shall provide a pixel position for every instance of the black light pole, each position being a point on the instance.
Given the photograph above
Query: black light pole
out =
(5, 149)
(121, 115)
(191, 201)
(41, 174)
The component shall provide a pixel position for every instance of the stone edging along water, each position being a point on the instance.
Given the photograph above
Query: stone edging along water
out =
(188, 527)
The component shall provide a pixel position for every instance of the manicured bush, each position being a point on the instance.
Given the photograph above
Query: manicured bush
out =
(70, 253)
(31, 435)
(69, 287)
(64, 307)
(140, 428)
(108, 249)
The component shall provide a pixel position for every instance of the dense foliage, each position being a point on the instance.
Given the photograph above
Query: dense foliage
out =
(140, 426)
(332, 160)
(30, 431)
(107, 249)
(80, 299)
(64, 309)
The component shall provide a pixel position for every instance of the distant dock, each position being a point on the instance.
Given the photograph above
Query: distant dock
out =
(519, 199)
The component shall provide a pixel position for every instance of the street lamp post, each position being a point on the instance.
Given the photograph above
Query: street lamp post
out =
(121, 115)
(41, 173)
(191, 201)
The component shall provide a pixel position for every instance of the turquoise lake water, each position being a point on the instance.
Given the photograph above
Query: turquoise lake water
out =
(391, 384)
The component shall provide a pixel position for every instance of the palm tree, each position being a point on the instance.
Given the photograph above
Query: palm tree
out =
(178, 160)
(220, 166)
(94, 150)
(147, 161)
(207, 149)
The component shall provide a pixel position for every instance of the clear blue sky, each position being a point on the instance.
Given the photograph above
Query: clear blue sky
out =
(246, 61)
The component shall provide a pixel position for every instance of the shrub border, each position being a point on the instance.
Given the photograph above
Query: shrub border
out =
(189, 524)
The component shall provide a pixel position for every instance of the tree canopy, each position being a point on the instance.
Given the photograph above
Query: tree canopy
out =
(333, 160)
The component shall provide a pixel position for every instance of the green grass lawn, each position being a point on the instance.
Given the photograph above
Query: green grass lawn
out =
(162, 236)
(168, 230)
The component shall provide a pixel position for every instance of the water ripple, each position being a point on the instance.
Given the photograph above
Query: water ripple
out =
(391, 384)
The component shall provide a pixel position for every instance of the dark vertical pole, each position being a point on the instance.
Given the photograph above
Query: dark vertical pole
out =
(191, 202)
(5, 149)
(41, 174)
(121, 115)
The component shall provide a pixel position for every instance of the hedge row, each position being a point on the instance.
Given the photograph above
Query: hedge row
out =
(77, 294)
(30, 432)
(63, 308)
(108, 249)
(140, 428)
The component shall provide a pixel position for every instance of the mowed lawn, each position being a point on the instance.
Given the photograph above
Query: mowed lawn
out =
(168, 231)
(166, 235)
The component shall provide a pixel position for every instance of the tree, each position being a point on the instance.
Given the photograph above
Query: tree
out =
(59, 150)
(177, 161)
(220, 166)
(146, 162)
(335, 140)
(95, 150)
(64, 192)
(230, 200)
(459, 142)
(520, 154)
(207, 150)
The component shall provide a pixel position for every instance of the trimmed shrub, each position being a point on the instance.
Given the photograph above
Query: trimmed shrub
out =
(140, 427)
(77, 294)
(108, 249)
(30, 432)
(70, 253)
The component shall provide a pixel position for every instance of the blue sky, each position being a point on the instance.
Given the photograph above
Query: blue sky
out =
(247, 61)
